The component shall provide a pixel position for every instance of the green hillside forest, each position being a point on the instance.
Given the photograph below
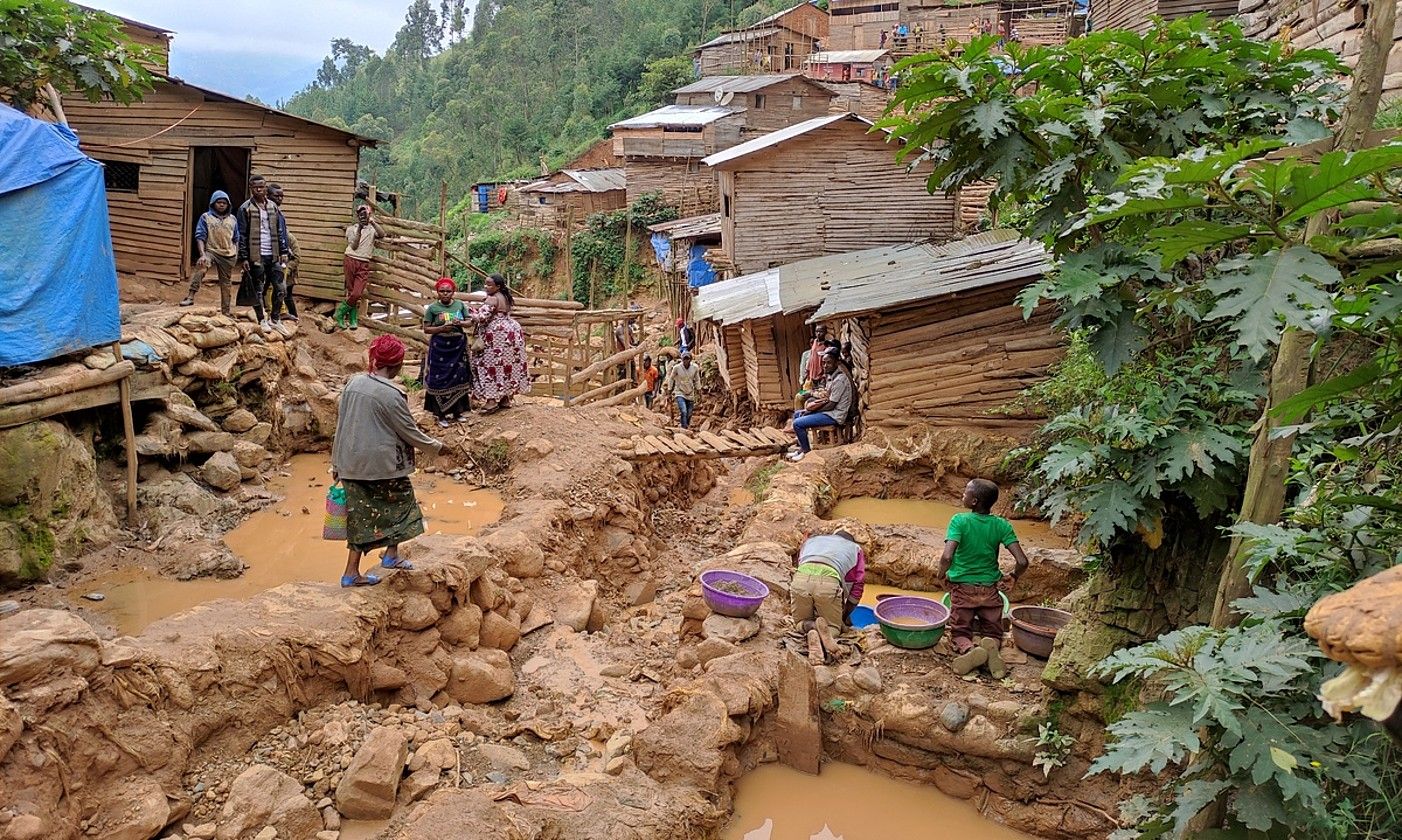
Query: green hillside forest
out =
(525, 81)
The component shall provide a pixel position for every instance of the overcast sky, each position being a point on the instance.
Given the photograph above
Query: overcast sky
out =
(269, 48)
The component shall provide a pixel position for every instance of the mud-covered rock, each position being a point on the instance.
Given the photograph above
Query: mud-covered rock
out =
(733, 630)
(138, 813)
(46, 643)
(576, 606)
(415, 612)
(465, 813)
(370, 784)
(520, 555)
(249, 455)
(714, 649)
(438, 754)
(462, 626)
(221, 471)
(239, 421)
(263, 796)
(499, 632)
(502, 757)
(688, 745)
(482, 676)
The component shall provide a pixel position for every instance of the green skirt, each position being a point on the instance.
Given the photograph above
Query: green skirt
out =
(381, 513)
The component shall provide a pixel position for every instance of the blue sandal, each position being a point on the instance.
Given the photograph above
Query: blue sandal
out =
(366, 579)
(387, 562)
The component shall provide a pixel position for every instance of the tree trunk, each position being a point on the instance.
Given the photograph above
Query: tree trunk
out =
(1270, 459)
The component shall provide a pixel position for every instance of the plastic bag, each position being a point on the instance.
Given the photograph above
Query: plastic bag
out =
(334, 525)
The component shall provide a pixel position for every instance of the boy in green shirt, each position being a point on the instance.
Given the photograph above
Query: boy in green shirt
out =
(969, 566)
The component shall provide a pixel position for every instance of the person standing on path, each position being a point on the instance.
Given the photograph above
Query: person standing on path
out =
(500, 370)
(683, 382)
(647, 376)
(447, 382)
(360, 247)
(686, 337)
(263, 250)
(217, 238)
(294, 254)
(372, 455)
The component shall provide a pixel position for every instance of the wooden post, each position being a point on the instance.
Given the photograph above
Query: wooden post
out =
(129, 431)
(569, 247)
(443, 228)
(593, 281)
(627, 249)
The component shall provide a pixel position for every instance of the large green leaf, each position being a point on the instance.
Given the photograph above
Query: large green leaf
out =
(990, 119)
(1149, 739)
(1117, 342)
(1190, 237)
(1334, 180)
(1112, 507)
(1295, 408)
(1261, 294)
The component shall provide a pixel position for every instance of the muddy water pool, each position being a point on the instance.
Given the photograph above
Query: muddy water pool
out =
(931, 514)
(775, 802)
(282, 544)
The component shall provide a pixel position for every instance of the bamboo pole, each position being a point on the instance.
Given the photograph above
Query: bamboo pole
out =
(604, 364)
(599, 392)
(382, 327)
(627, 396)
(128, 433)
(443, 228)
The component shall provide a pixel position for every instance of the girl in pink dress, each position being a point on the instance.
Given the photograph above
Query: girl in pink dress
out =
(499, 368)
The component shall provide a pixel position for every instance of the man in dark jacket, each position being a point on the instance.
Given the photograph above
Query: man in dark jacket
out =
(263, 250)
(294, 253)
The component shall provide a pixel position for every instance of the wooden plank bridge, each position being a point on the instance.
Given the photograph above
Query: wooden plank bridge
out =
(726, 443)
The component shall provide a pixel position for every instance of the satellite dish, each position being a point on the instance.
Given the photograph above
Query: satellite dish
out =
(729, 95)
(718, 95)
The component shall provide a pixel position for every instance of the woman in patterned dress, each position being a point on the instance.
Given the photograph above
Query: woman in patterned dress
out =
(499, 370)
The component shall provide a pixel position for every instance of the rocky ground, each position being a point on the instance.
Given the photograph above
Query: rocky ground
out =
(558, 676)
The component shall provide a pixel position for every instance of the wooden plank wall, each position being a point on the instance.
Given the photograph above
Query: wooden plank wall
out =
(685, 184)
(973, 205)
(779, 111)
(561, 207)
(837, 190)
(152, 229)
(860, 98)
(1134, 14)
(730, 355)
(861, 31)
(1336, 26)
(948, 362)
(734, 59)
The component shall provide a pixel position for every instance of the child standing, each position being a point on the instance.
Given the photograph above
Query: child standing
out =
(647, 375)
(970, 566)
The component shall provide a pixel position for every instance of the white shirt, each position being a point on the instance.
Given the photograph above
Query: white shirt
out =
(265, 239)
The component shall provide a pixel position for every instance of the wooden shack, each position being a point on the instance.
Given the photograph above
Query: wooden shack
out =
(767, 102)
(1134, 15)
(570, 196)
(681, 247)
(861, 98)
(662, 152)
(825, 186)
(168, 153)
(935, 336)
(870, 66)
(908, 27)
(1336, 26)
(778, 43)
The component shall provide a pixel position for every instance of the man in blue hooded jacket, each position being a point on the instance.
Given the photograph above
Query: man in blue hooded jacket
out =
(216, 237)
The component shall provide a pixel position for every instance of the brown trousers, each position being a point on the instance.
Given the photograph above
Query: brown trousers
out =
(357, 278)
(816, 595)
(224, 269)
(974, 610)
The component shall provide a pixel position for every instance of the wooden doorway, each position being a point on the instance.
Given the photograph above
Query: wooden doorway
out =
(213, 168)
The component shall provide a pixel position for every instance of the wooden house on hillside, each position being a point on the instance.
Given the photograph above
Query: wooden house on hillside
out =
(1134, 14)
(861, 98)
(569, 196)
(776, 44)
(768, 102)
(907, 27)
(168, 153)
(870, 66)
(662, 152)
(1337, 27)
(931, 331)
(825, 186)
(681, 247)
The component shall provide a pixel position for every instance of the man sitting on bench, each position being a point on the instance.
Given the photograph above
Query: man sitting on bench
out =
(831, 410)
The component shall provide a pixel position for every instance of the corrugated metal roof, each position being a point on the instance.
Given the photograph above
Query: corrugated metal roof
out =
(581, 180)
(885, 278)
(740, 84)
(741, 299)
(846, 57)
(676, 115)
(739, 36)
(690, 227)
(774, 138)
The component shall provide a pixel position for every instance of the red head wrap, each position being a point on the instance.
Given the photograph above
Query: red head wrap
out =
(445, 283)
(386, 352)
(680, 322)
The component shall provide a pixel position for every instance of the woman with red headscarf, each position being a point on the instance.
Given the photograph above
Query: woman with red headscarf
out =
(373, 456)
(446, 377)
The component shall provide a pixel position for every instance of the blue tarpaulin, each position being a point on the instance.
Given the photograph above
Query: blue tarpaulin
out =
(58, 279)
(698, 271)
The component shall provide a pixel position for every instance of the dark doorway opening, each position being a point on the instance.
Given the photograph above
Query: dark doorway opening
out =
(215, 168)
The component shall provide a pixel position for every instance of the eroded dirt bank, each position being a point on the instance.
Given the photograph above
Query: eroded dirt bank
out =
(556, 677)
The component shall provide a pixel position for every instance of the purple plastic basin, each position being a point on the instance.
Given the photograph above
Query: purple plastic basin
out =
(729, 603)
(911, 612)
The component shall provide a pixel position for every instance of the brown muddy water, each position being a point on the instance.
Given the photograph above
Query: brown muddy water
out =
(775, 802)
(282, 544)
(930, 514)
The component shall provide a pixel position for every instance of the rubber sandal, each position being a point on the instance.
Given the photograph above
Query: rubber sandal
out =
(966, 662)
(996, 668)
(367, 579)
(395, 563)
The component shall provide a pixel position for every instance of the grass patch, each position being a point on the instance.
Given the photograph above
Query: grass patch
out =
(493, 458)
(759, 481)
